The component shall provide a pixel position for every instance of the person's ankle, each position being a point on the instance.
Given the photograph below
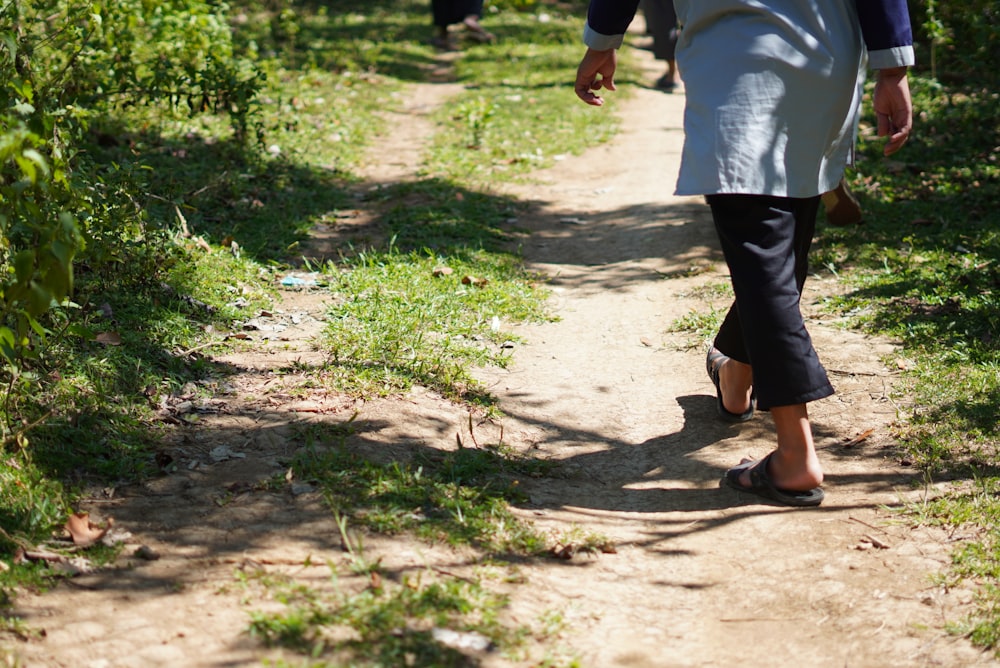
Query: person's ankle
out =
(795, 462)
(736, 383)
(795, 468)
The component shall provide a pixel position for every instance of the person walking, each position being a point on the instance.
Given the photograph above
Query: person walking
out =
(773, 92)
(447, 13)
(661, 23)
(842, 207)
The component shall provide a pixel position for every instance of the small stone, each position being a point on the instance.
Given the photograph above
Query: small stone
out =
(147, 553)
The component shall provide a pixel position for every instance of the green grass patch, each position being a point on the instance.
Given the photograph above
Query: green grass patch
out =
(461, 497)
(519, 112)
(420, 621)
(698, 326)
(404, 318)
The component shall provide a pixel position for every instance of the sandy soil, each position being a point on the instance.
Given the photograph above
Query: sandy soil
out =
(702, 576)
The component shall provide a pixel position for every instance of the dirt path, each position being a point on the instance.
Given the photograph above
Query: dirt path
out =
(701, 576)
(702, 579)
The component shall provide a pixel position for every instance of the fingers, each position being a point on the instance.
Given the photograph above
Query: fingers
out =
(895, 143)
(896, 128)
(897, 137)
(596, 71)
(590, 98)
(585, 91)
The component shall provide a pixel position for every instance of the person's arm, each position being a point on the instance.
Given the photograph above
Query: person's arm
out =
(888, 36)
(885, 27)
(607, 21)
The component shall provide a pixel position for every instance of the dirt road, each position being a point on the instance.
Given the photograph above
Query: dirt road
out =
(702, 577)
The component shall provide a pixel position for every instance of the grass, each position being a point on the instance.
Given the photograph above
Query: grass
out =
(505, 125)
(461, 497)
(372, 617)
(202, 228)
(977, 559)
(417, 621)
(436, 299)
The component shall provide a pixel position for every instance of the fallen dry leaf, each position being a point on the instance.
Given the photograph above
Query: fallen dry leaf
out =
(74, 566)
(462, 640)
(83, 531)
(307, 406)
(880, 544)
(869, 541)
(860, 438)
(564, 551)
(109, 338)
(474, 281)
(442, 271)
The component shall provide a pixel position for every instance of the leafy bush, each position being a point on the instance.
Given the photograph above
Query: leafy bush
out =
(64, 64)
(962, 39)
(38, 231)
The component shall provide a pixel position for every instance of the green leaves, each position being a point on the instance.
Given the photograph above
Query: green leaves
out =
(66, 62)
(39, 240)
(179, 52)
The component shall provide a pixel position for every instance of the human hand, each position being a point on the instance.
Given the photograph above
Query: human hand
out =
(594, 63)
(893, 107)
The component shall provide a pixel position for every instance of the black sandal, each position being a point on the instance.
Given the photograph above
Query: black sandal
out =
(713, 362)
(763, 486)
(443, 43)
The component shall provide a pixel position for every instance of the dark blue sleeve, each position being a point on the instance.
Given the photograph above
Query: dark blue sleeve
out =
(612, 17)
(885, 24)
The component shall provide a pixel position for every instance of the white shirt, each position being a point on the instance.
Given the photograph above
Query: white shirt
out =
(773, 93)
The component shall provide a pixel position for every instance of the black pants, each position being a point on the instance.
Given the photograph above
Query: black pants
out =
(661, 23)
(766, 242)
(448, 12)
